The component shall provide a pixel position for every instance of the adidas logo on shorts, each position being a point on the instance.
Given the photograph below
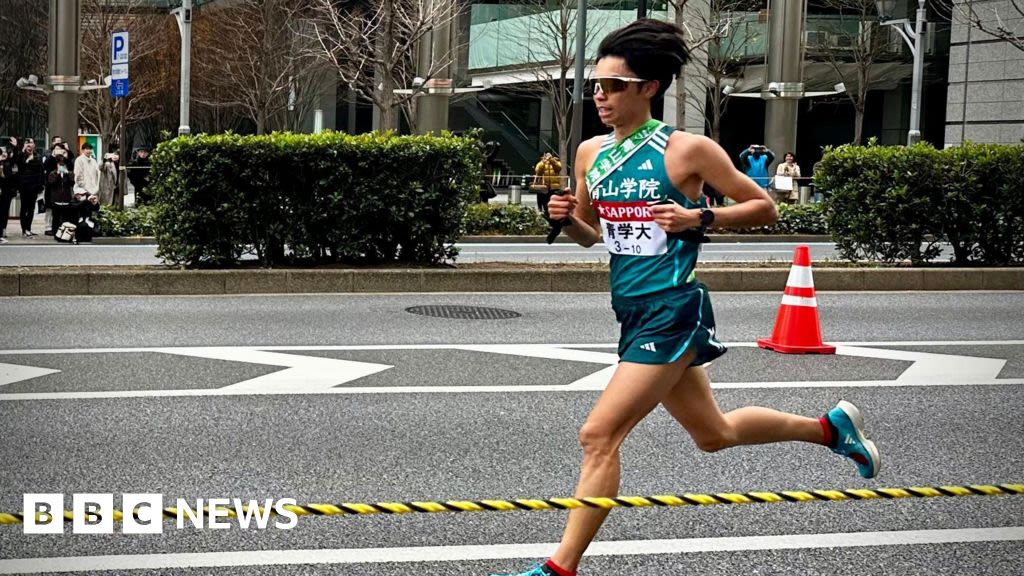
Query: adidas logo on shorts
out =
(649, 347)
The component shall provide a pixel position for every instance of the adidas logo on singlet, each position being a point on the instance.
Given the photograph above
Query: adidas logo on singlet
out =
(647, 165)
(649, 347)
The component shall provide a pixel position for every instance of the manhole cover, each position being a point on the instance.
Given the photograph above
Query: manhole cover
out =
(463, 312)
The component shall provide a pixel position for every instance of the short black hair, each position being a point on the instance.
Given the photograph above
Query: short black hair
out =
(86, 146)
(655, 50)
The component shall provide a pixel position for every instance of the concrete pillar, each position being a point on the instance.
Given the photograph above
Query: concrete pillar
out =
(432, 107)
(65, 40)
(784, 71)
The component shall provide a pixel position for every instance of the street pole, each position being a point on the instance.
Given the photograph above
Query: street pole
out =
(184, 18)
(432, 106)
(63, 69)
(122, 157)
(914, 134)
(641, 9)
(577, 84)
(785, 71)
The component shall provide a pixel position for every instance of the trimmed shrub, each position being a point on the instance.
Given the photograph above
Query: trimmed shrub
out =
(899, 203)
(793, 219)
(510, 219)
(133, 221)
(325, 197)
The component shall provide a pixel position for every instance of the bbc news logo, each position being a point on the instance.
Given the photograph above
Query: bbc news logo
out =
(144, 513)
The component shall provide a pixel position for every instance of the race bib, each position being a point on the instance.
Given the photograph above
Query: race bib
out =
(629, 229)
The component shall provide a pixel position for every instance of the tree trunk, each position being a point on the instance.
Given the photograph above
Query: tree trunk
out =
(681, 80)
(858, 123)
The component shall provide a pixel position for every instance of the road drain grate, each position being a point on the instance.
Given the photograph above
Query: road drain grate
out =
(463, 312)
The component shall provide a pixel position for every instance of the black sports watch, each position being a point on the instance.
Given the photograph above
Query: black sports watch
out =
(707, 217)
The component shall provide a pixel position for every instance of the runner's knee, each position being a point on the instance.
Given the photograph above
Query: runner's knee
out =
(597, 440)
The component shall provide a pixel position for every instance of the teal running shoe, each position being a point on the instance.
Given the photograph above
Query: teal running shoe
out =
(850, 440)
(537, 570)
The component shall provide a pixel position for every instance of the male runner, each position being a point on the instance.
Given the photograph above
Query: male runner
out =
(640, 188)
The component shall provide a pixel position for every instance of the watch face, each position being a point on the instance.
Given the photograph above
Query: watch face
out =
(707, 217)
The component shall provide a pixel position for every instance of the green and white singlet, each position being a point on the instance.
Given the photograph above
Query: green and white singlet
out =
(662, 309)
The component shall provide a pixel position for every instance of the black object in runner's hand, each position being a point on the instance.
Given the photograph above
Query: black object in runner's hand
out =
(556, 226)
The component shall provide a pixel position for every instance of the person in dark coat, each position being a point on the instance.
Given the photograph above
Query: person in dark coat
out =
(60, 186)
(138, 174)
(8, 189)
(31, 180)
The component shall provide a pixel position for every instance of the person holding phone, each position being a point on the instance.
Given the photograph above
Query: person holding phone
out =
(8, 189)
(755, 161)
(31, 180)
(60, 186)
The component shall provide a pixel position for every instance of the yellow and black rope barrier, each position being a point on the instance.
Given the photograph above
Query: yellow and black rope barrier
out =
(356, 509)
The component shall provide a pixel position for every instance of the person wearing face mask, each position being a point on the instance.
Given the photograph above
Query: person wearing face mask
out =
(638, 189)
(31, 180)
(60, 186)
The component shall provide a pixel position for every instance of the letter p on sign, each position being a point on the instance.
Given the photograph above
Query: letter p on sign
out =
(119, 48)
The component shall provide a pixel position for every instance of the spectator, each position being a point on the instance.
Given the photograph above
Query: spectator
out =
(138, 174)
(715, 198)
(60, 190)
(487, 191)
(8, 189)
(31, 181)
(87, 174)
(755, 161)
(790, 169)
(108, 178)
(546, 180)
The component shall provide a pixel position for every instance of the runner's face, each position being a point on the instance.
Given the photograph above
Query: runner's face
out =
(617, 108)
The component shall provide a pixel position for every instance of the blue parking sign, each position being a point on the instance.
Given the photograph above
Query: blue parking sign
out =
(119, 88)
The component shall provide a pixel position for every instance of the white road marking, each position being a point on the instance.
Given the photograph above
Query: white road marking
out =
(11, 373)
(312, 375)
(322, 557)
(305, 374)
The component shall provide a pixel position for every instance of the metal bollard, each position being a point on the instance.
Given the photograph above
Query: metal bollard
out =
(805, 194)
(515, 194)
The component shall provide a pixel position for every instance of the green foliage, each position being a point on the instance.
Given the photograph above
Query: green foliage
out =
(313, 198)
(793, 219)
(897, 203)
(134, 221)
(510, 219)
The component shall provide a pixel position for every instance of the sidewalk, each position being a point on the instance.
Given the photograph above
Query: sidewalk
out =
(39, 225)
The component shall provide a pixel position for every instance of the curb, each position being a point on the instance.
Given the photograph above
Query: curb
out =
(63, 281)
(715, 238)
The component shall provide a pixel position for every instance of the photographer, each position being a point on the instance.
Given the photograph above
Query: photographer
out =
(108, 178)
(755, 161)
(31, 179)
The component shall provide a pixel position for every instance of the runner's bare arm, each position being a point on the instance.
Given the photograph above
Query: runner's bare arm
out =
(705, 161)
(585, 229)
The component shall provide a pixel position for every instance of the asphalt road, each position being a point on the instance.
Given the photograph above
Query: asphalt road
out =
(47, 254)
(180, 396)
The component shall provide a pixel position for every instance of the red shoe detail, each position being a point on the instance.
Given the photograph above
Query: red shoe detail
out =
(827, 429)
(558, 570)
(859, 459)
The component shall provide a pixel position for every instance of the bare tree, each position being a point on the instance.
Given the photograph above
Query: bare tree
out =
(371, 43)
(149, 34)
(546, 34)
(251, 56)
(1004, 20)
(852, 44)
(23, 30)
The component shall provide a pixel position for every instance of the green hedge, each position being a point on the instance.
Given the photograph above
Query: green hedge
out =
(312, 198)
(510, 219)
(793, 219)
(895, 204)
(133, 221)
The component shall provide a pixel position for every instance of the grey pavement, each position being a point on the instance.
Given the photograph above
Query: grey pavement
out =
(505, 443)
(50, 253)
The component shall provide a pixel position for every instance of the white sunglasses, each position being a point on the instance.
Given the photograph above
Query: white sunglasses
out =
(613, 84)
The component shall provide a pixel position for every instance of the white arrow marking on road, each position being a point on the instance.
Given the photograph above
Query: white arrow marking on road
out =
(933, 368)
(11, 373)
(305, 374)
(312, 375)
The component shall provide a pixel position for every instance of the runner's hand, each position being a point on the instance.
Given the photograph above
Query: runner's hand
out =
(560, 207)
(674, 218)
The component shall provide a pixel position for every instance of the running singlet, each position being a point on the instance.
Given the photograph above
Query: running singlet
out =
(624, 179)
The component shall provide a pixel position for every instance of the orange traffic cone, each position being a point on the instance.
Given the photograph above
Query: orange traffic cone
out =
(797, 329)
